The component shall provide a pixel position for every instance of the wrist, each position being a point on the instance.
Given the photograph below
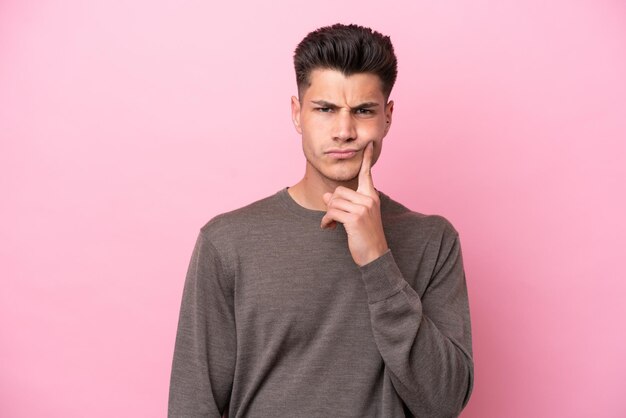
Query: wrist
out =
(374, 255)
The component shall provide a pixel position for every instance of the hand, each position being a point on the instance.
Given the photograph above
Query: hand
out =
(359, 212)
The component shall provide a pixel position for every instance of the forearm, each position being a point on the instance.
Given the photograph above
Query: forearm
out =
(428, 359)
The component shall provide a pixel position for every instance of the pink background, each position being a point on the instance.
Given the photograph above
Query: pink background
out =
(126, 125)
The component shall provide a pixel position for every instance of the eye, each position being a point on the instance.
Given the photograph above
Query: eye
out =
(364, 111)
(323, 109)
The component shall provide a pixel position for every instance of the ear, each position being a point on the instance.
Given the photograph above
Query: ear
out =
(295, 113)
(388, 115)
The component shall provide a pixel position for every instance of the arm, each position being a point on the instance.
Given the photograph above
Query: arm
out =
(204, 353)
(425, 342)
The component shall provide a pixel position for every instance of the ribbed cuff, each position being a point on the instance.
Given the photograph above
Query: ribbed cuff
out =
(382, 278)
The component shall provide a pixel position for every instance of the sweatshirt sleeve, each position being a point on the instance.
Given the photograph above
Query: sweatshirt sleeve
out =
(205, 348)
(425, 342)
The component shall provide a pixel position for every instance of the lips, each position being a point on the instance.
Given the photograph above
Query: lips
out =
(341, 154)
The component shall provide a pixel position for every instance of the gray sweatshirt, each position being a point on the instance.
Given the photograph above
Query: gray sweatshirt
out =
(277, 320)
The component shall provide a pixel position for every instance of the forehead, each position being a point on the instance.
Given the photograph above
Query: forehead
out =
(334, 86)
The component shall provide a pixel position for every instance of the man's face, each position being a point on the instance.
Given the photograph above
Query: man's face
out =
(337, 116)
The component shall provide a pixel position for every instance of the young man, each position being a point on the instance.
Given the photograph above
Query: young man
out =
(327, 298)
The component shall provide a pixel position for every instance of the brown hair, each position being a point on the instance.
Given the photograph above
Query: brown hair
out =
(350, 49)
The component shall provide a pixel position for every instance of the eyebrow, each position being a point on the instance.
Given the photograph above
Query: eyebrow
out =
(324, 103)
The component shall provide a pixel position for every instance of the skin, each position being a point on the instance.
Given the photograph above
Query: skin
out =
(336, 112)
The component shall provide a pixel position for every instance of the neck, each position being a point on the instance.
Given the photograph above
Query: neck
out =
(308, 192)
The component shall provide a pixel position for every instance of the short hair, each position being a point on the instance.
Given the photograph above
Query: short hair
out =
(350, 49)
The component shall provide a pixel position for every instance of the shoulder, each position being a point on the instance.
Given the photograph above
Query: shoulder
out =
(399, 218)
(410, 232)
(225, 234)
(239, 222)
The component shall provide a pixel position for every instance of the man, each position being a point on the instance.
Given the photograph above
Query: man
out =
(328, 298)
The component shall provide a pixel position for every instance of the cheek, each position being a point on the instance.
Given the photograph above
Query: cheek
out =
(309, 145)
(372, 132)
(313, 130)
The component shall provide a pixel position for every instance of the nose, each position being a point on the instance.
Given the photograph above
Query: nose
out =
(344, 128)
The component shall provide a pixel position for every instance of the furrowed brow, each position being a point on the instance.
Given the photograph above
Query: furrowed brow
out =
(324, 103)
(366, 105)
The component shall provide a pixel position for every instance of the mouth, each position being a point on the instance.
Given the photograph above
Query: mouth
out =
(341, 154)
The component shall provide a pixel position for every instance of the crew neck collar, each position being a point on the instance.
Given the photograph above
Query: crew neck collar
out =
(296, 208)
(293, 206)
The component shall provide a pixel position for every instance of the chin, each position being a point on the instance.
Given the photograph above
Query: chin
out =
(340, 173)
(342, 176)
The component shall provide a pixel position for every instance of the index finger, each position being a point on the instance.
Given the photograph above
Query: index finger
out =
(366, 185)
